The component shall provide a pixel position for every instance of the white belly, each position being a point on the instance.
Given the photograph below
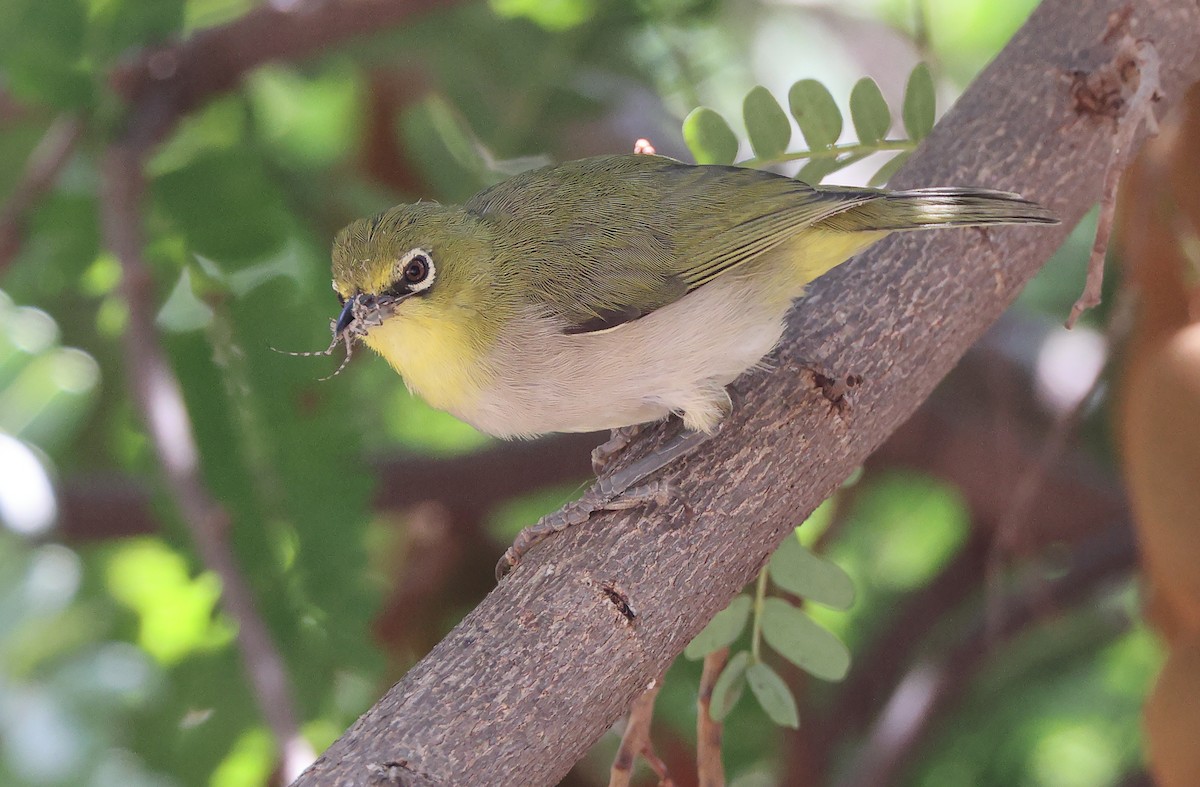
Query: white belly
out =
(677, 359)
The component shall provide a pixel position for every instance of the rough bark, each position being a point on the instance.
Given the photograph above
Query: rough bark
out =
(522, 687)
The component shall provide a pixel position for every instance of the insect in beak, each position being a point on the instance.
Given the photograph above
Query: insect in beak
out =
(345, 333)
(359, 314)
(345, 319)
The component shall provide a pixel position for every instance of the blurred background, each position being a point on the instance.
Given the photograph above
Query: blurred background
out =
(996, 636)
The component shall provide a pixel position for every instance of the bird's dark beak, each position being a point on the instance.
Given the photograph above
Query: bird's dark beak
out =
(345, 318)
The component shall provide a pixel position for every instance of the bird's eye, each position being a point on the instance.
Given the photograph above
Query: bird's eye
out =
(341, 299)
(417, 269)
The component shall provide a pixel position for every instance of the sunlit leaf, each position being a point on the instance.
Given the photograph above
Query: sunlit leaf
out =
(773, 695)
(456, 134)
(926, 522)
(551, 14)
(816, 112)
(709, 137)
(184, 311)
(800, 571)
(766, 123)
(722, 630)
(729, 686)
(919, 103)
(801, 641)
(817, 170)
(176, 611)
(311, 119)
(889, 169)
(869, 111)
(249, 761)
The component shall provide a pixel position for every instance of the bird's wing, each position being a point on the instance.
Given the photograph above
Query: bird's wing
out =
(603, 241)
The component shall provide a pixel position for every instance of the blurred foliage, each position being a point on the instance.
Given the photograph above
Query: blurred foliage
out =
(116, 663)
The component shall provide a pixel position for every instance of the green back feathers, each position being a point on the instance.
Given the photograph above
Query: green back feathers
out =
(605, 240)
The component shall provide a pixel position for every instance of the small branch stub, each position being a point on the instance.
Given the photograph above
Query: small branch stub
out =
(1106, 92)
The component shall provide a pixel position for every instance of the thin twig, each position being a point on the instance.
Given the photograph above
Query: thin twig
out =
(709, 769)
(52, 153)
(1138, 111)
(1053, 448)
(636, 741)
(159, 397)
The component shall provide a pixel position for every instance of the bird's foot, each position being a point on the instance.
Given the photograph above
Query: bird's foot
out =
(618, 441)
(627, 488)
(578, 512)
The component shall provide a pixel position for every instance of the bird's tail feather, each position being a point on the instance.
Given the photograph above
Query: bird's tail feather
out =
(939, 207)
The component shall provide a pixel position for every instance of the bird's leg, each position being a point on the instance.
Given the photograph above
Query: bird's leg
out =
(618, 441)
(622, 490)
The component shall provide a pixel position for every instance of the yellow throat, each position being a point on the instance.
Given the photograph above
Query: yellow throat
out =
(434, 353)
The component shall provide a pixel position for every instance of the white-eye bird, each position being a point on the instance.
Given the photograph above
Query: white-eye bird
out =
(613, 290)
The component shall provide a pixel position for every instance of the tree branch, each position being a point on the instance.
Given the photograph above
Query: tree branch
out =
(524, 685)
(160, 86)
(52, 153)
(159, 399)
(109, 507)
(636, 742)
(709, 767)
(167, 82)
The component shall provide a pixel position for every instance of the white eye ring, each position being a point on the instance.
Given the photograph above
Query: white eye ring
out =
(416, 271)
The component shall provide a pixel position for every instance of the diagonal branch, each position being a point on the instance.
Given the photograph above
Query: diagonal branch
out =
(523, 686)
(159, 399)
(159, 87)
(52, 153)
(167, 82)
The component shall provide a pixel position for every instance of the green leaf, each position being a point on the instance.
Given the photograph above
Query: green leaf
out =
(816, 112)
(801, 641)
(817, 170)
(870, 112)
(553, 15)
(722, 630)
(226, 204)
(455, 134)
(308, 119)
(709, 137)
(798, 570)
(773, 695)
(184, 311)
(766, 123)
(890, 168)
(119, 25)
(41, 48)
(920, 102)
(729, 686)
